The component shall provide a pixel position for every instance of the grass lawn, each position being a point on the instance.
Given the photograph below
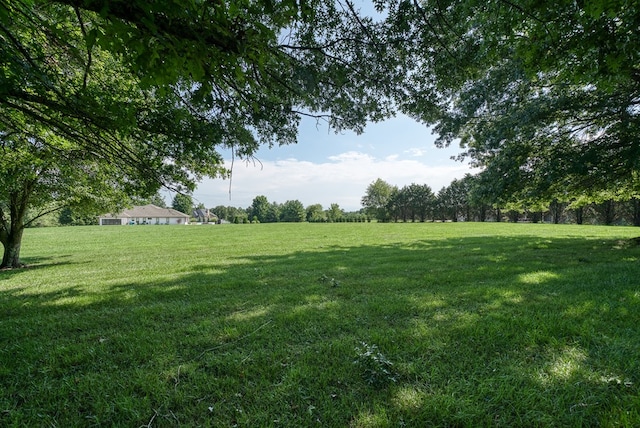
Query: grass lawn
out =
(333, 325)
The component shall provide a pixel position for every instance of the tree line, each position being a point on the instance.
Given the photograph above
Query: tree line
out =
(262, 210)
(466, 199)
(461, 200)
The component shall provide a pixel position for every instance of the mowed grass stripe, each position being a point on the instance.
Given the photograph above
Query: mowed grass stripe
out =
(294, 324)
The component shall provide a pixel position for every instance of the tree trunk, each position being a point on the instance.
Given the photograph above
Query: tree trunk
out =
(483, 213)
(579, 215)
(535, 217)
(610, 212)
(556, 211)
(11, 227)
(636, 211)
(11, 242)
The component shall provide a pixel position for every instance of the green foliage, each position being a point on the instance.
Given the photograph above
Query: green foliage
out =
(183, 203)
(67, 217)
(228, 213)
(293, 211)
(148, 92)
(413, 202)
(219, 73)
(542, 95)
(316, 214)
(335, 213)
(376, 198)
(35, 181)
(259, 208)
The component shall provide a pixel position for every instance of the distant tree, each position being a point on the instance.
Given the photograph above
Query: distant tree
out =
(630, 210)
(221, 212)
(421, 201)
(293, 211)
(229, 213)
(606, 211)
(376, 198)
(183, 203)
(315, 213)
(67, 217)
(479, 203)
(555, 209)
(158, 200)
(334, 213)
(273, 213)
(259, 209)
(454, 200)
(397, 206)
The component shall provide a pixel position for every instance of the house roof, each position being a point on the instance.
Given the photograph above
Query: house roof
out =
(148, 211)
(203, 212)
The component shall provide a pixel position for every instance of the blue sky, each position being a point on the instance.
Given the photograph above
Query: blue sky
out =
(326, 168)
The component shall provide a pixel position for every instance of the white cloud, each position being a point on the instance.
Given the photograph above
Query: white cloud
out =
(342, 179)
(416, 152)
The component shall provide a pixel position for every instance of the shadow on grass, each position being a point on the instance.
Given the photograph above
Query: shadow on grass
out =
(31, 263)
(480, 331)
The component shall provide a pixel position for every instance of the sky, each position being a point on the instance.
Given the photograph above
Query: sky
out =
(326, 168)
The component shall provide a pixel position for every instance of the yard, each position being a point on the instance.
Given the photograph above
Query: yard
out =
(336, 325)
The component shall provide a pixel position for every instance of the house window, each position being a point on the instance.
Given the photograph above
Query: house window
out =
(111, 222)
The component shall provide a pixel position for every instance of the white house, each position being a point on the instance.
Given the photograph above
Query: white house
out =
(146, 214)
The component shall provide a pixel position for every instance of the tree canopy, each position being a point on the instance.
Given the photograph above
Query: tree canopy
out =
(376, 198)
(543, 95)
(233, 74)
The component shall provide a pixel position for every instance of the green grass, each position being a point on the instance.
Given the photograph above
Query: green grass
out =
(361, 325)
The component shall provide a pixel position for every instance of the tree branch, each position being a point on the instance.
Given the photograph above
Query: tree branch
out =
(89, 48)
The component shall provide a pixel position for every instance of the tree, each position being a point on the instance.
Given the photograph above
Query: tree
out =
(454, 200)
(259, 209)
(183, 203)
(35, 181)
(273, 213)
(230, 56)
(542, 95)
(230, 213)
(421, 201)
(315, 213)
(293, 211)
(66, 217)
(377, 196)
(396, 207)
(334, 213)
